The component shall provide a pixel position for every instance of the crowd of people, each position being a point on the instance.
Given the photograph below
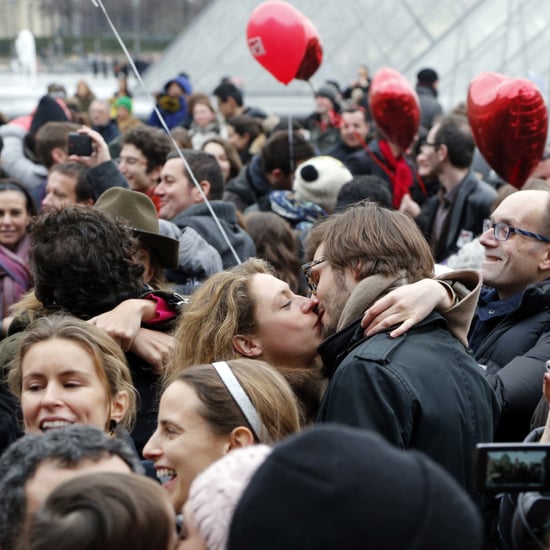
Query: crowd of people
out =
(297, 329)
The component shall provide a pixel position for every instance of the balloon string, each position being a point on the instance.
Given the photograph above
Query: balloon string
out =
(290, 143)
(99, 4)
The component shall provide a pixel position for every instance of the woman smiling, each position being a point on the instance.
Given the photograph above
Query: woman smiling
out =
(68, 371)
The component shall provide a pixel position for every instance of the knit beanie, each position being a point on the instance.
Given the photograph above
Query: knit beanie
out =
(339, 487)
(319, 180)
(427, 76)
(48, 110)
(124, 101)
(214, 494)
(330, 92)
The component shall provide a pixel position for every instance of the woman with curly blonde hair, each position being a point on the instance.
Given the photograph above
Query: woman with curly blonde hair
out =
(248, 312)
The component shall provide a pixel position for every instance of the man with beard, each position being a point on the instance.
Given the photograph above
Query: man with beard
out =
(424, 391)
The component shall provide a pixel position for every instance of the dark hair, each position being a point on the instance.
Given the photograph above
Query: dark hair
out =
(226, 90)
(356, 109)
(282, 124)
(232, 154)
(69, 447)
(277, 152)
(373, 240)
(82, 261)
(455, 133)
(53, 135)
(9, 184)
(152, 142)
(104, 510)
(360, 188)
(205, 168)
(277, 244)
(83, 190)
(244, 124)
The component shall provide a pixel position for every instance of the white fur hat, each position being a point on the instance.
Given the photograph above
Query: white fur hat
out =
(319, 179)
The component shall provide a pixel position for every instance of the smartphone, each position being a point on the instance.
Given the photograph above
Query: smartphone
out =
(80, 144)
(512, 467)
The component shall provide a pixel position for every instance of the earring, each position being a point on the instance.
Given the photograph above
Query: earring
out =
(112, 427)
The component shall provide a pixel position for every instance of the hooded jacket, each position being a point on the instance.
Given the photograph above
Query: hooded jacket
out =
(200, 219)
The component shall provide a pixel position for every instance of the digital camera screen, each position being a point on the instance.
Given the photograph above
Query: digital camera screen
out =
(525, 469)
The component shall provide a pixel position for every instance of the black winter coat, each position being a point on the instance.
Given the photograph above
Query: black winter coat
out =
(422, 390)
(515, 352)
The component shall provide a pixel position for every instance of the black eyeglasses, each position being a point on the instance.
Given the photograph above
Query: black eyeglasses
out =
(306, 268)
(502, 231)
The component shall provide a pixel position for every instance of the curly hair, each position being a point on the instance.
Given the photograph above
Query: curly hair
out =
(109, 360)
(83, 261)
(220, 309)
(152, 142)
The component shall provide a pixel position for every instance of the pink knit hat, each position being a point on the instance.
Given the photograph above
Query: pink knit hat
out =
(214, 494)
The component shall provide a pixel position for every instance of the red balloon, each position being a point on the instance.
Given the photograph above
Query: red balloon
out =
(313, 54)
(277, 39)
(509, 122)
(394, 107)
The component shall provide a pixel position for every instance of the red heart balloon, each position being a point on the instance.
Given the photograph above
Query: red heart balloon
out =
(509, 121)
(314, 52)
(277, 39)
(394, 107)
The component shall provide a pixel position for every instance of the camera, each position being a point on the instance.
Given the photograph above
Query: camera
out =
(519, 474)
(80, 144)
(512, 468)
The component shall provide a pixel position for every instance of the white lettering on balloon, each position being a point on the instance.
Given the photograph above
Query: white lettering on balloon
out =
(256, 46)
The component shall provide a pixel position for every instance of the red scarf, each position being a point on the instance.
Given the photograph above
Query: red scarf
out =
(399, 171)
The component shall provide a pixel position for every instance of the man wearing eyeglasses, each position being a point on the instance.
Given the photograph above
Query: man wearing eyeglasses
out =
(142, 156)
(422, 391)
(454, 216)
(510, 333)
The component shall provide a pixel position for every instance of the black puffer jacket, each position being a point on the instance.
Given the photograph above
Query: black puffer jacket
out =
(514, 353)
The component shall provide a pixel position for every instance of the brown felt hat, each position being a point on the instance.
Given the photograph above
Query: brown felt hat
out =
(138, 211)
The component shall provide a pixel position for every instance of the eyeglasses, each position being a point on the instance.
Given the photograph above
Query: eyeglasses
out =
(502, 231)
(306, 268)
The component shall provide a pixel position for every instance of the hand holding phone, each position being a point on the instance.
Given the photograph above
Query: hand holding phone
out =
(80, 145)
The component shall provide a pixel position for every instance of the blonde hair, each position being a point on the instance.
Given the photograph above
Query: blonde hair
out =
(109, 360)
(221, 308)
(268, 391)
